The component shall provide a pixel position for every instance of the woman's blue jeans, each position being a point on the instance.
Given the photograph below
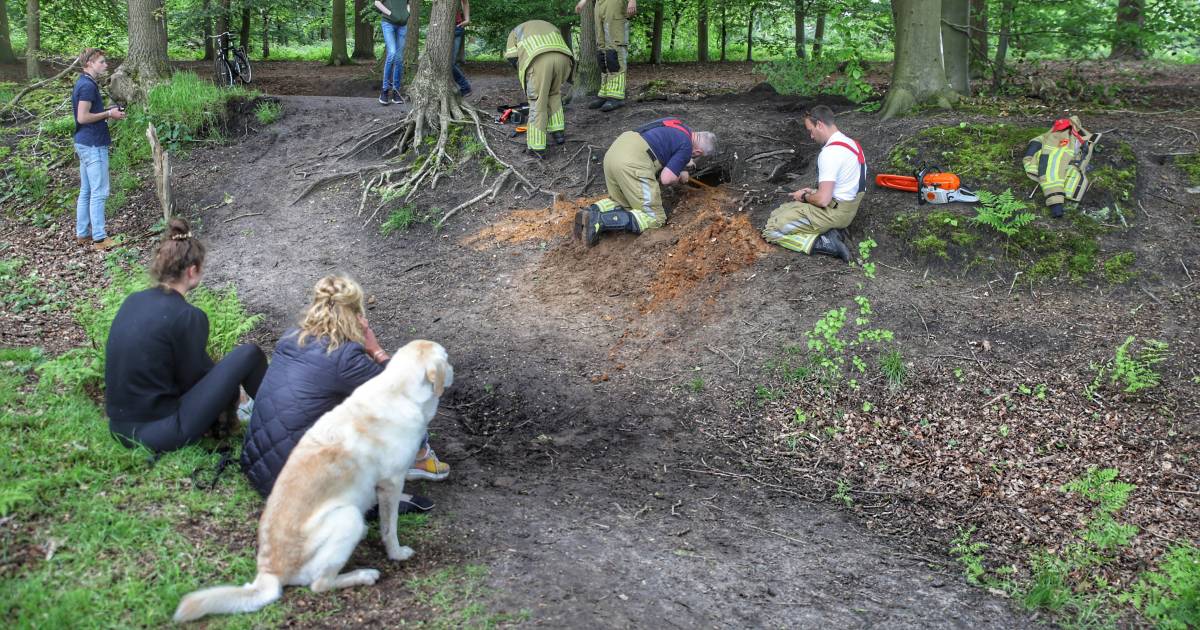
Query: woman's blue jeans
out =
(393, 65)
(464, 86)
(93, 191)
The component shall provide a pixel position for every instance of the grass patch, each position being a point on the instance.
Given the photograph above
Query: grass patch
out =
(1190, 165)
(978, 154)
(268, 112)
(399, 220)
(454, 594)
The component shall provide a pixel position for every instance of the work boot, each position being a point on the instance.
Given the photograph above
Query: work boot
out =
(831, 245)
(616, 220)
(1056, 211)
(598, 102)
(613, 103)
(536, 153)
(383, 98)
(105, 245)
(558, 136)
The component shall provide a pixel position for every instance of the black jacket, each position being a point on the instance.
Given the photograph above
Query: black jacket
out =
(301, 385)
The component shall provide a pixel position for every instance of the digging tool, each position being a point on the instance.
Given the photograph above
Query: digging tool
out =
(931, 185)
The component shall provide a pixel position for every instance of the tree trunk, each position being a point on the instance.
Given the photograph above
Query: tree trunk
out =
(223, 22)
(266, 32)
(656, 34)
(1127, 40)
(956, 44)
(702, 31)
(337, 52)
(209, 52)
(724, 29)
(979, 37)
(798, 9)
(1006, 18)
(364, 34)
(750, 36)
(587, 71)
(244, 32)
(675, 16)
(819, 34)
(919, 74)
(564, 30)
(6, 51)
(33, 38)
(432, 91)
(146, 63)
(412, 41)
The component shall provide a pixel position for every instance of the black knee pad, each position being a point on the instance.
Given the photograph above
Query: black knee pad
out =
(614, 64)
(600, 60)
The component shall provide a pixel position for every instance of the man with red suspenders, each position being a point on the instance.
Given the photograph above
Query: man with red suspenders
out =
(811, 222)
(635, 164)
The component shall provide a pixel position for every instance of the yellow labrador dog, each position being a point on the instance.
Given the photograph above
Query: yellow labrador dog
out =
(353, 455)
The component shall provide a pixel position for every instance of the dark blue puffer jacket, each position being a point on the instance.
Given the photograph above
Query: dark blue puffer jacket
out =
(301, 384)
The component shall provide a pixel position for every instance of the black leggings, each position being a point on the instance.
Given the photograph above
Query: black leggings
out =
(200, 405)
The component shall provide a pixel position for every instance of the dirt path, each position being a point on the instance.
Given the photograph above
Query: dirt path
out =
(575, 456)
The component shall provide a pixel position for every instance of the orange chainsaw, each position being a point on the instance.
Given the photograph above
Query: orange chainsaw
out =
(931, 186)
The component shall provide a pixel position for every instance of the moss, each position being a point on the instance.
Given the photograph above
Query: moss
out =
(942, 223)
(976, 153)
(1049, 266)
(931, 245)
(1035, 240)
(904, 223)
(963, 238)
(1190, 165)
(1117, 270)
(1083, 258)
(1125, 153)
(1118, 182)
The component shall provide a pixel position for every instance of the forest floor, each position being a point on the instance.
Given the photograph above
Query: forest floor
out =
(633, 433)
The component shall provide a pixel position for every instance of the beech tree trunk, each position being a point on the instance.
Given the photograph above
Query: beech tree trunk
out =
(6, 51)
(266, 32)
(918, 75)
(798, 10)
(979, 37)
(223, 21)
(819, 34)
(750, 36)
(1006, 18)
(209, 49)
(33, 38)
(724, 29)
(364, 34)
(956, 44)
(146, 63)
(656, 35)
(337, 53)
(1127, 41)
(412, 41)
(587, 71)
(432, 88)
(244, 31)
(702, 31)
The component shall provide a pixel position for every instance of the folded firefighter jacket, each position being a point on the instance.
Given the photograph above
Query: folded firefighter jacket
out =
(1058, 160)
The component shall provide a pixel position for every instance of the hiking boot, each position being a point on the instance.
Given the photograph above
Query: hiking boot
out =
(1056, 211)
(383, 98)
(598, 102)
(428, 468)
(831, 244)
(409, 504)
(558, 137)
(83, 240)
(103, 246)
(613, 103)
(537, 153)
(615, 219)
(397, 99)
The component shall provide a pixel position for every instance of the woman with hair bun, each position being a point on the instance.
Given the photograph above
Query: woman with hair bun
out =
(314, 368)
(161, 388)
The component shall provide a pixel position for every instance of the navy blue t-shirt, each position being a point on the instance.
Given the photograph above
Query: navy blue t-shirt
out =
(92, 134)
(670, 145)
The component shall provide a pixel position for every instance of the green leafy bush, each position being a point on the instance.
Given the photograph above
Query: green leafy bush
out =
(810, 77)
(1170, 597)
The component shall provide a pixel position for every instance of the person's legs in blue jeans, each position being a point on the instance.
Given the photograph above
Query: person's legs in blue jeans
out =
(93, 191)
(393, 52)
(398, 65)
(464, 86)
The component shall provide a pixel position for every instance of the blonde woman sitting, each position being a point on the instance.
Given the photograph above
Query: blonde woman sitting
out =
(314, 368)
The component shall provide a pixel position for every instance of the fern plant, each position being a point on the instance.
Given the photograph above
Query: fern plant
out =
(1004, 212)
(1131, 370)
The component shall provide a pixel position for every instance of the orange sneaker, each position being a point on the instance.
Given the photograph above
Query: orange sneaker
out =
(428, 468)
(103, 246)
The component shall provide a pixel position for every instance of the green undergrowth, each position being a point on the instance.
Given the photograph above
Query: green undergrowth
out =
(1190, 165)
(1068, 582)
(454, 595)
(35, 186)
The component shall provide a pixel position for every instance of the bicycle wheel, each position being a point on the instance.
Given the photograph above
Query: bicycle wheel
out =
(223, 73)
(243, 65)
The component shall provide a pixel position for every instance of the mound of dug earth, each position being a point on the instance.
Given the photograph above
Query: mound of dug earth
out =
(704, 241)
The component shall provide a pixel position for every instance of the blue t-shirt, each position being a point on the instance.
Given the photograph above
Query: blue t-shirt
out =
(92, 134)
(672, 146)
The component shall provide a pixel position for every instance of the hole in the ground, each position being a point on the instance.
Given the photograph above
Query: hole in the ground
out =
(713, 174)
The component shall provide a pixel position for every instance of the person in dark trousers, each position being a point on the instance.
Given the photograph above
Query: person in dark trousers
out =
(161, 388)
(461, 19)
(314, 368)
(91, 145)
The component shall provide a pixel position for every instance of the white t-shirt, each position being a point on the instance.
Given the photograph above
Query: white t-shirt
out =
(839, 165)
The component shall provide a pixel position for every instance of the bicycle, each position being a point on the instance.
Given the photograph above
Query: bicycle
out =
(230, 64)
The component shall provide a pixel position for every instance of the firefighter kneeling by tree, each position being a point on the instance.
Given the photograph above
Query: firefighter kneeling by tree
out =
(544, 63)
(634, 166)
(810, 224)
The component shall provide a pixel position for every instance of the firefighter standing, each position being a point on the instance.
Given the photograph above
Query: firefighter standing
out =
(635, 164)
(809, 224)
(543, 62)
(612, 49)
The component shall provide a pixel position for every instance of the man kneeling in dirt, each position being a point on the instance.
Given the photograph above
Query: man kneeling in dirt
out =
(543, 62)
(810, 224)
(634, 166)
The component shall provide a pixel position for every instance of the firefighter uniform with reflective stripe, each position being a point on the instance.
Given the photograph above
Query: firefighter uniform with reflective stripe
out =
(544, 62)
(796, 225)
(632, 165)
(612, 47)
(1058, 160)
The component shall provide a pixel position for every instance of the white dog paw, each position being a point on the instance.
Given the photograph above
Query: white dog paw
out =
(369, 576)
(402, 554)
